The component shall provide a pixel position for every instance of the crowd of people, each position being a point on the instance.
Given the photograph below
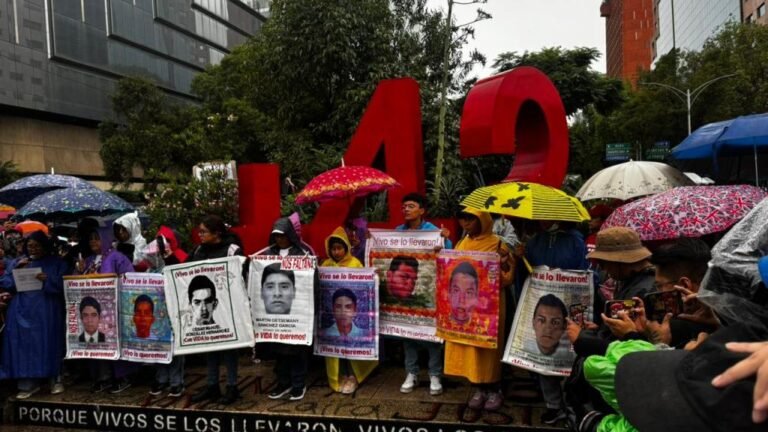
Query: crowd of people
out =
(682, 349)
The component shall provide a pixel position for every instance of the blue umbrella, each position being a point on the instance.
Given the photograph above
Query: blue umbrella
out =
(746, 134)
(73, 203)
(23, 190)
(700, 144)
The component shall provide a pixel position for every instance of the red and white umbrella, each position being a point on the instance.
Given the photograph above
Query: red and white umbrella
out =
(689, 211)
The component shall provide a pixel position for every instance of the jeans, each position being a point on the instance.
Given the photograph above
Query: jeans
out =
(214, 359)
(172, 373)
(435, 351)
(551, 391)
(291, 368)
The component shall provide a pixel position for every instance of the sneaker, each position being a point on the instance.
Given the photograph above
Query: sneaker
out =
(57, 388)
(279, 392)
(208, 393)
(100, 386)
(119, 385)
(477, 400)
(435, 387)
(409, 384)
(26, 394)
(230, 396)
(157, 388)
(176, 391)
(298, 394)
(552, 416)
(494, 401)
(349, 385)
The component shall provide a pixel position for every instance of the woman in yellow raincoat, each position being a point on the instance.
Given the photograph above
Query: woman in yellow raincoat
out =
(344, 375)
(481, 366)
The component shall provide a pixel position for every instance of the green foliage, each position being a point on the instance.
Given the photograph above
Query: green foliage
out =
(154, 134)
(182, 202)
(8, 172)
(579, 86)
(299, 88)
(652, 113)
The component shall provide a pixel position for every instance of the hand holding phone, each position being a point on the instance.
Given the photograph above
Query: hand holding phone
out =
(613, 307)
(659, 304)
(576, 313)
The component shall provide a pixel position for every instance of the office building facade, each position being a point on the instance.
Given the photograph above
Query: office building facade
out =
(629, 30)
(687, 24)
(754, 11)
(60, 61)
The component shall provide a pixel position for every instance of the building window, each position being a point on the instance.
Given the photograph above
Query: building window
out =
(748, 18)
(761, 10)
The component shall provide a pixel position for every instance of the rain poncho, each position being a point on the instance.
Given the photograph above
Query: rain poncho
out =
(348, 260)
(361, 368)
(132, 224)
(600, 371)
(478, 365)
(33, 340)
(732, 285)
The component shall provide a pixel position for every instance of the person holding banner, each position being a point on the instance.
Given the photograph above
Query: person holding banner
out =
(401, 279)
(215, 242)
(291, 361)
(344, 375)
(33, 343)
(481, 366)
(162, 251)
(109, 375)
(562, 247)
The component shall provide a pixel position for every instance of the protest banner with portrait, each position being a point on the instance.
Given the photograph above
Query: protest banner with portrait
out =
(468, 297)
(347, 314)
(92, 317)
(405, 264)
(538, 341)
(282, 293)
(145, 327)
(208, 306)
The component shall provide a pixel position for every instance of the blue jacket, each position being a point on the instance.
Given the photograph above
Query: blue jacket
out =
(427, 226)
(33, 341)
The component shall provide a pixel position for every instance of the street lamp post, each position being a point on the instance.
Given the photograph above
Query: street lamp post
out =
(688, 96)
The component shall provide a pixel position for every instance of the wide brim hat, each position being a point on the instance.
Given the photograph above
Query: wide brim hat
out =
(619, 244)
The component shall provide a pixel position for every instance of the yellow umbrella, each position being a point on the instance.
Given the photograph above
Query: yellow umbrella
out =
(527, 200)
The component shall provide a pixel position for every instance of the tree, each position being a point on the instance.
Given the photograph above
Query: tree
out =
(8, 172)
(153, 134)
(569, 70)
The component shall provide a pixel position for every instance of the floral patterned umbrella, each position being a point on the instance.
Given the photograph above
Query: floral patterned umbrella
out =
(689, 211)
(73, 202)
(25, 189)
(345, 182)
(632, 179)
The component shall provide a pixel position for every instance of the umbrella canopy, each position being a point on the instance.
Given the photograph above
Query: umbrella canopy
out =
(527, 200)
(699, 180)
(632, 179)
(79, 202)
(29, 226)
(345, 182)
(691, 211)
(25, 189)
(700, 144)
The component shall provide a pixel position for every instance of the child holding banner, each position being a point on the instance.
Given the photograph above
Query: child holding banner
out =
(481, 366)
(344, 375)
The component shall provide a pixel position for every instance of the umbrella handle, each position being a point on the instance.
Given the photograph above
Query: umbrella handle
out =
(527, 265)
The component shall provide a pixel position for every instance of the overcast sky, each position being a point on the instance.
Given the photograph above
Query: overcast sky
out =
(520, 25)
